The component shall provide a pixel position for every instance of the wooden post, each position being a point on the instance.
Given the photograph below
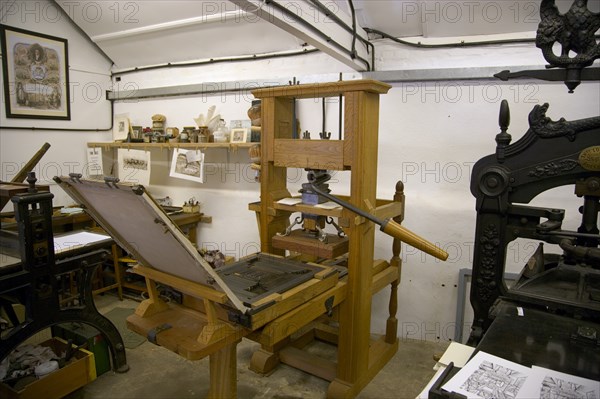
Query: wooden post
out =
(215, 330)
(276, 123)
(153, 304)
(391, 331)
(360, 149)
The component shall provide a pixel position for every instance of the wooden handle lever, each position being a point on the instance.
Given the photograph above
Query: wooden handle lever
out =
(400, 232)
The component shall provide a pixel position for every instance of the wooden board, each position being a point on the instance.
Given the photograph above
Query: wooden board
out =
(182, 337)
(313, 154)
(297, 241)
(319, 90)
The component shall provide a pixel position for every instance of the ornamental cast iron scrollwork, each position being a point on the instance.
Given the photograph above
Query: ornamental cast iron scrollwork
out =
(575, 31)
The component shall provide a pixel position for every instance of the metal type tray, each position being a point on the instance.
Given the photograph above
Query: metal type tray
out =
(258, 276)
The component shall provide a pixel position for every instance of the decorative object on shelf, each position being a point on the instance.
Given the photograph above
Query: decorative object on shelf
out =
(254, 113)
(239, 135)
(148, 135)
(201, 135)
(186, 134)
(172, 133)
(137, 134)
(188, 165)
(36, 74)
(191, 206)
(158, 125)
(121, 127)
(211, 120)
(254, 153)
(221, 135)
(202, 120)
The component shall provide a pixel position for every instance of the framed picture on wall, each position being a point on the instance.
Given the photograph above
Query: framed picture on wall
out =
(36, 74)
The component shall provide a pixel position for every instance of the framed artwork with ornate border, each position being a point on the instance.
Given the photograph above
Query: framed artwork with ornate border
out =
(35, 69)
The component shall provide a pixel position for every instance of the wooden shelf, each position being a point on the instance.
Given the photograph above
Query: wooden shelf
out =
(230, 146)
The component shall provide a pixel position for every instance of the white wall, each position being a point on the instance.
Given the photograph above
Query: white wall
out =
(89, 75)
(430, 136)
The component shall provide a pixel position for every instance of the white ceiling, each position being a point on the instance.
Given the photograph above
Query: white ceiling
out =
(154, 32)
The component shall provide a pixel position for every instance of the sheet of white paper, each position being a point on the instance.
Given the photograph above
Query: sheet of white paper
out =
(488, 376)
(546, 384)
(290, 201)
(456, 353)
(188, 165)
(134, 166)
(328, 205)
(77, 239)
(94, 162)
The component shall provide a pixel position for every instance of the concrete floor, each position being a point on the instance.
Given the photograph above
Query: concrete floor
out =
(156, 372)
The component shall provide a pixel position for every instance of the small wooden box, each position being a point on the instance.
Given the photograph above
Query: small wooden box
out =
(191, 208)
(80, 371)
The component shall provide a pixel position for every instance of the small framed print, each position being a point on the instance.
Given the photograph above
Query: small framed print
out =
(137, 132)
(239, 135)
(36, 74)
(121, 128)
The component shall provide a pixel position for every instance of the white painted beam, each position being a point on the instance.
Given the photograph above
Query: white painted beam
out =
(317, 29)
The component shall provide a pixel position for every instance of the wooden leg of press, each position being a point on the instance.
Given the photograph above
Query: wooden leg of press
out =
(339, 389)
(223, 371)
(153, 304)
(263, 361)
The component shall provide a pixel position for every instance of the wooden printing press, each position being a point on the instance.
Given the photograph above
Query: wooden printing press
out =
(267, 297)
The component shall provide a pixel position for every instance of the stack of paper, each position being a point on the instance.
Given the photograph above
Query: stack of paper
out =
(488, 376)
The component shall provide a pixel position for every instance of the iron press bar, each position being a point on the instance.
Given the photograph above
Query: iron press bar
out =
(388, 226)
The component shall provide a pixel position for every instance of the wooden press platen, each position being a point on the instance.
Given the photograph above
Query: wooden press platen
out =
(138, 224)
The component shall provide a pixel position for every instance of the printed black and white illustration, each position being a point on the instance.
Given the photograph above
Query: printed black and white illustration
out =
(188, 165)
(550, 384)
(494, 381)
(135, 163)
(558, 388)
(488, 376)
(134, 166)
